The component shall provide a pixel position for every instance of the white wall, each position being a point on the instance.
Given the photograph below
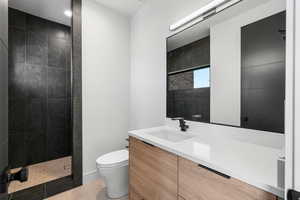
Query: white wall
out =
(106, 66)
(289, 103)
(226, 67)
(297, 100)
(225, 73)
(149, 30)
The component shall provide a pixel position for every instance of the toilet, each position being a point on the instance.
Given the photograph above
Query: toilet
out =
(113, 168)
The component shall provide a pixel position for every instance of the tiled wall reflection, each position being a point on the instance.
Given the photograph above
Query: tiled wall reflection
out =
(183, 99)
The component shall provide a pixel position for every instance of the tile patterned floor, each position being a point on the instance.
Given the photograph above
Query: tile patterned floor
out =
(95, 190)
(42, 173)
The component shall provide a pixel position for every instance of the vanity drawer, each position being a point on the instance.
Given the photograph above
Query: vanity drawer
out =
(152, 171)
(199, 183)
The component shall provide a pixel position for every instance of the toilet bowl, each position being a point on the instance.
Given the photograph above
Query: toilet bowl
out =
(113, 168)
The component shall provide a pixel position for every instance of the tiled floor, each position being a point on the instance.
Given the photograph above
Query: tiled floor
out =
(42, 173)
(92, 191)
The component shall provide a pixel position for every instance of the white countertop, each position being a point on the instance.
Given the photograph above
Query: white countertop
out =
(255, 164)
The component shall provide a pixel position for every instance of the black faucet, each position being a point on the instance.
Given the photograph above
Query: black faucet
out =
(182, 123)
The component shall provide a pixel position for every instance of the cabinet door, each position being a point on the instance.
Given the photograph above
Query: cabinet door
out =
(152, 171)
(198, 183)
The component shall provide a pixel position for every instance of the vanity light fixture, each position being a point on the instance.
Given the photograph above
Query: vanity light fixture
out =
(68, 13)
(211, 8)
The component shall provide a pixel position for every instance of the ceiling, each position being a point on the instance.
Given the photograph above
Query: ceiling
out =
(127, 7)
(49, 9)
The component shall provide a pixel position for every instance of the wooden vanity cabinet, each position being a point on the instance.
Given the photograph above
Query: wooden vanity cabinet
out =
(155, 174)
(135, 196)
(152, 172)
(199, 183)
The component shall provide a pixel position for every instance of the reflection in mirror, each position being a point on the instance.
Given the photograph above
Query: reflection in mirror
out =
(229, 69)
(188, 81)
(39, 90)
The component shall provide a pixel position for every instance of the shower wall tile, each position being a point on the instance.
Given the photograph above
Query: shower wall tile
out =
(3, 153)
(16, 81)
(17, 149)
(17, 113)
(36, 144)
(17, 45)
(17, 19)
(68, 84)
(35, 83)
(68, 57)
(57, 83)
(59, 145)
(58, 31)
(36, 117)
(36, 48)
(56, 114)
(39, 89)
(36, 25)
(57, 55)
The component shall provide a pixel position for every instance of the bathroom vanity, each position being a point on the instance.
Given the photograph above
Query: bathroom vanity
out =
(167, 164)
(226, 75)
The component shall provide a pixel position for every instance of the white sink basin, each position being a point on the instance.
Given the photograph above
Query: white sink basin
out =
(170, 135)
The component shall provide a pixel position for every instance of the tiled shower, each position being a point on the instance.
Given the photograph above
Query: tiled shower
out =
(39, 89)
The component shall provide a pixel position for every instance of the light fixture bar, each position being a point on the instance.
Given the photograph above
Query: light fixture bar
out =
(213, 5)
(226, 5)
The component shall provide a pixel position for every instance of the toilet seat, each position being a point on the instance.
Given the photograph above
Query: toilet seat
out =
(113, 159)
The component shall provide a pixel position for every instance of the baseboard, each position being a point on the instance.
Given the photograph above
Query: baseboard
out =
(90, 176)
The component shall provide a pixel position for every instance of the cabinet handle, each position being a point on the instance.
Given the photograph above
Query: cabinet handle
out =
(148, 144)
(214, 171)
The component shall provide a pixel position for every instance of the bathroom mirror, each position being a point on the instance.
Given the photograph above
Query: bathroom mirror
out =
(229, 69)
(40, 91)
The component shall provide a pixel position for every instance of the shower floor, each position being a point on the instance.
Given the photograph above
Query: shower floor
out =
(43, 172)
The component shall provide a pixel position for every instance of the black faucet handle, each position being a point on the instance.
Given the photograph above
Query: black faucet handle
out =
(182, 123)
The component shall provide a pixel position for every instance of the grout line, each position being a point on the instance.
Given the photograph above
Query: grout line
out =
(47, 98)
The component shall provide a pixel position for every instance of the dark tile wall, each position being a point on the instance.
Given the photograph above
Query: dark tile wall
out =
(76, 93)
(182, 99)
(192, 55)
(263, 74)
(46, 190)
(192, 104)
(181, 81)
(39, 89)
